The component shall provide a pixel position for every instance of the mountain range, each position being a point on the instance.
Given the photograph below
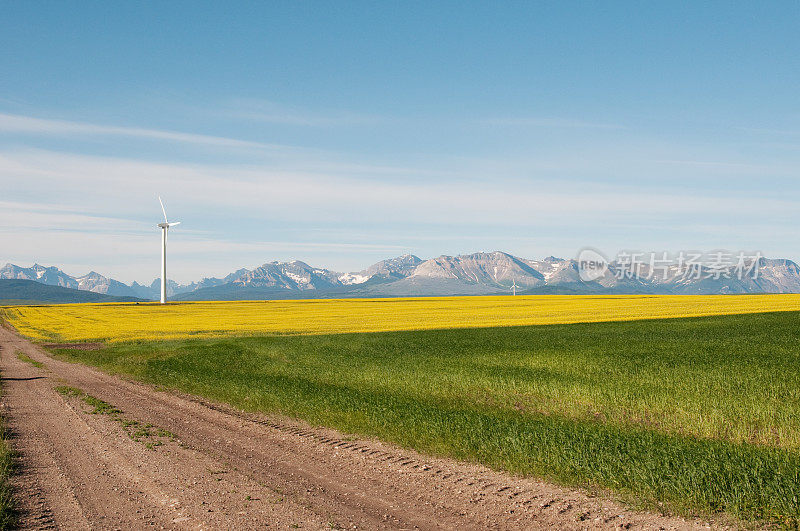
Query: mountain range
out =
(408, 275)
(20, 291)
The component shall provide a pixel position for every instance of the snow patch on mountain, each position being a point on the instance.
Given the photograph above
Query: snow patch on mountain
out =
(349, 279)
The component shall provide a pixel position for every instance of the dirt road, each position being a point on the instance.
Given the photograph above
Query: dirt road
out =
(224, 469)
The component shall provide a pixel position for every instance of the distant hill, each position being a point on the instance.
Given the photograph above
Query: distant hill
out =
(16, 291)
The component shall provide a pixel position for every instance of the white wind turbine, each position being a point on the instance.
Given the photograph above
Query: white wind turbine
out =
(514, 288)
(164, 228)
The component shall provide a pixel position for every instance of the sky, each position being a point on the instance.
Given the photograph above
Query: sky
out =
(343, 133)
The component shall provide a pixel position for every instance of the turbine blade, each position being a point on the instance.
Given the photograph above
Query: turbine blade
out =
(162, 210)
(174, 223)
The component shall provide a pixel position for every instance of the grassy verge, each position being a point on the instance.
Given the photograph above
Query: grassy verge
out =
(27, 359)
(8, 516)
(697, 414)
(147, 434)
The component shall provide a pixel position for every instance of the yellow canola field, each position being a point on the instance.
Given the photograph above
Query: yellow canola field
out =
(114, 322)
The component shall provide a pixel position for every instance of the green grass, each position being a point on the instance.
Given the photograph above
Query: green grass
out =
(699, 414)
(8, 516)
(27, 359)
(147, 434)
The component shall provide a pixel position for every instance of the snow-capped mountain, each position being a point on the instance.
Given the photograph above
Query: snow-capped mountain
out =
(408, 275)
(384, 271)
(51, 276)
(97, 283)
(491, 269)
(288, 275)
(473, 274)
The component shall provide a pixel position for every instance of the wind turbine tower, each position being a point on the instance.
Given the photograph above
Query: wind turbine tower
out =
(514, 288)
(164, 228)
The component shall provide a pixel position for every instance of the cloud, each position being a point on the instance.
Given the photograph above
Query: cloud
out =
(18, 216)
(540, 122)
(98, 212)
(11, 123)
(271, 112)
(789, 132)
(715, 164)
(221, 194)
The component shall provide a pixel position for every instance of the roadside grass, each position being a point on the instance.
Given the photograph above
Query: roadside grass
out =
(27, 359)
(8, 514)
(695, 415)
(147, 434)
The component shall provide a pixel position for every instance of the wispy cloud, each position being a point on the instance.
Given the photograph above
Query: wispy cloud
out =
(287, 156)
(16, 217)
(764, 130)
(549, 123)
(271, 112)
(241, 210)
(712, 164)
(313, 198)
(12, 123)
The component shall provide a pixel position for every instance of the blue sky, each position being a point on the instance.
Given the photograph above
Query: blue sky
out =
(341, 133)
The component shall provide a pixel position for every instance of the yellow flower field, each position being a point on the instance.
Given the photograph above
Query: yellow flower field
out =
(126, 322)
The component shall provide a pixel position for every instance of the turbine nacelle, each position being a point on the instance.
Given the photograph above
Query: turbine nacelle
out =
(166, 223)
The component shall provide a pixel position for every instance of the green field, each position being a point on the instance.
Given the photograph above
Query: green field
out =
(700, 414)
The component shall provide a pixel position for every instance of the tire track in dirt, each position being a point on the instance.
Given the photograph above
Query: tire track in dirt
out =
(230, 469)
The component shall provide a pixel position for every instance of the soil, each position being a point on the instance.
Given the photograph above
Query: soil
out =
(226, 469)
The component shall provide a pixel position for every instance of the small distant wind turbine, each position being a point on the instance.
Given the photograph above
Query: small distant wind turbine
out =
(164, 228)
(514, 288)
